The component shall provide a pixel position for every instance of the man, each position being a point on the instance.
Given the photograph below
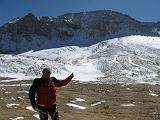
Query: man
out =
(44, 90)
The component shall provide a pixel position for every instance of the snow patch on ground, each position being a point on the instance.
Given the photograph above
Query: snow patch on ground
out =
(30, 108)
(36, 116)
(128, 105)
(18, 118)
(7, 92)
(98, 103)
(80, 99)
(152, 93)
(128, 88)
(23, 91)
(12, 105)
(76, 106)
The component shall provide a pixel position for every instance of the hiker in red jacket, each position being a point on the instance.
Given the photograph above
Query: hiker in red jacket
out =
(44, 91)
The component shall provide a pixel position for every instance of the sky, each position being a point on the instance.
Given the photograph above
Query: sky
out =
(142, 10)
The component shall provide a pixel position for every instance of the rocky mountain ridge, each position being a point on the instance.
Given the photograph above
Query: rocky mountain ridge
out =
(80, 29)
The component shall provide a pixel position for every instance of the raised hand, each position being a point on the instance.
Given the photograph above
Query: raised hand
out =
(71, 75)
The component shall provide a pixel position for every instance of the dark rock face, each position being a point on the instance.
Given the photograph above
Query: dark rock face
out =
(29, 24)
(100, 24)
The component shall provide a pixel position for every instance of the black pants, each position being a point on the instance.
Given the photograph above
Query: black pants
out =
(53, 112)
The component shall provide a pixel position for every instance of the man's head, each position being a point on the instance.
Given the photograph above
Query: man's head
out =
(47, 72)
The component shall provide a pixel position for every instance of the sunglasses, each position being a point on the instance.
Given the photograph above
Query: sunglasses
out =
(47, 72)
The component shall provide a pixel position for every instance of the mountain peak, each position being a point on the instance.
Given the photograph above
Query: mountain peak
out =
(30, 15)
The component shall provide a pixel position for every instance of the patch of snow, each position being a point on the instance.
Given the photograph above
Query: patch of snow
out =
(3, 89)
(130, 61)
(12, 105)
(84, 72)
(153, 94)
(30, 108)
(76, 106)
(128, 105)
(150, 82)
(73, 101)
(144, 59)
(16, 77)
(154, 113)
(153, 42)
(109, 91)
(8, 92)
(98, 103)
(20, 98)
(18, 118)
(79, 99)
(23, 91)
(36, 116)
(128, 88)
(12, 98)
(14, 20)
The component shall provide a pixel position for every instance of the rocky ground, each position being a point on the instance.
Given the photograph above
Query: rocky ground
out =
(85, 101)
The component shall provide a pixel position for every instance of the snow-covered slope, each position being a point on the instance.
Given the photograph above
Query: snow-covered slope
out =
(126, 59)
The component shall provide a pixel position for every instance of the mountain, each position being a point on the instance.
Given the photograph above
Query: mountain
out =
(72, 29)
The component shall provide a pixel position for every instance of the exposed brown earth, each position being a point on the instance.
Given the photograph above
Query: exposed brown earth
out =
(144, 101)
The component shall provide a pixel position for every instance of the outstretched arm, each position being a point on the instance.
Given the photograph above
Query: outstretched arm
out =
(65, 81)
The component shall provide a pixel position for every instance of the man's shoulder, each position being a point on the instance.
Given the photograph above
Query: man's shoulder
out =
(55, 80)
(37, 80)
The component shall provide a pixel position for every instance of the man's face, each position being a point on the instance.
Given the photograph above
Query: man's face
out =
(47, 74)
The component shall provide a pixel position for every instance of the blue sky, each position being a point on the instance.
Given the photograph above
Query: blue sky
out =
(143, 10)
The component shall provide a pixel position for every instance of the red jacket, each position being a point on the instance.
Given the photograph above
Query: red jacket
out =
(46, 91)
